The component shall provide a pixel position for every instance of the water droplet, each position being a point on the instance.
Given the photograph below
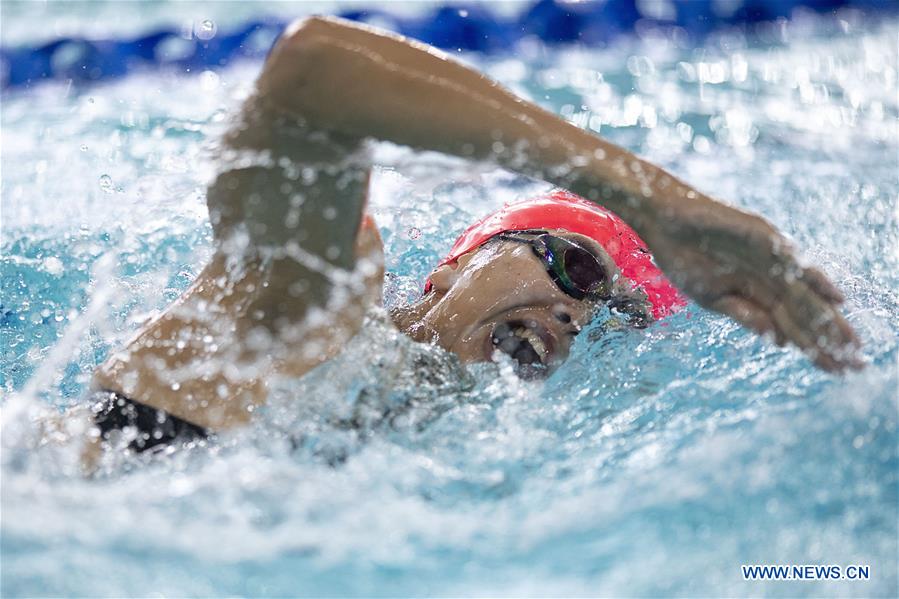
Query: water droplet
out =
(53, 265)
(206, 30)
(413, 233)
(106, 184)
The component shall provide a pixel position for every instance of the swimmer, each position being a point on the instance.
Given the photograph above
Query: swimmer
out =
(298, 263)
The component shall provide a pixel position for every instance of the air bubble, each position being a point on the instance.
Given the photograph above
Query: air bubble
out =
(413, 233)
(206, 30)
(106, 184)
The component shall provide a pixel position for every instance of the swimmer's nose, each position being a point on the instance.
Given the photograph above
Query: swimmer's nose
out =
(569, 320)
(562, 316)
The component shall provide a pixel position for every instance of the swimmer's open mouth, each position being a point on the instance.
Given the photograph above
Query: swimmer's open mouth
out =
(526, 343)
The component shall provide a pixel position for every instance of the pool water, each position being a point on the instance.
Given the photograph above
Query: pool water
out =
(653, 462)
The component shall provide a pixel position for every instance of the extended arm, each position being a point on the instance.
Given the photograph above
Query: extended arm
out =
(360, 82)
(277, 297)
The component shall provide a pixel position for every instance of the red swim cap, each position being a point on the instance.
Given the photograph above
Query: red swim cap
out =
(563, 210)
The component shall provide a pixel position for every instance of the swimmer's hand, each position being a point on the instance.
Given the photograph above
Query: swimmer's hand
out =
(738, 264)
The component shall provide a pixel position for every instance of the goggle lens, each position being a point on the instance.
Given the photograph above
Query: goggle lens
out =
(574, 270)
(583, 271)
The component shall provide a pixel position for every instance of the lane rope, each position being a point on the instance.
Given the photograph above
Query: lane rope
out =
(471, 27)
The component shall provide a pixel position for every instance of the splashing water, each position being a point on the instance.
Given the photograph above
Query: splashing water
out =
(653, 462)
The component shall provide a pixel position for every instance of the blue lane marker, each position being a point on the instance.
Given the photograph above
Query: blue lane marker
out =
(453, 26)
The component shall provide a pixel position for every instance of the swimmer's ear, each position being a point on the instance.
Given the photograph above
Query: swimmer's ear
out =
(446, 275)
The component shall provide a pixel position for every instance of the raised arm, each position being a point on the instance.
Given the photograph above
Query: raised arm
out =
(360, 82)
(278, 296)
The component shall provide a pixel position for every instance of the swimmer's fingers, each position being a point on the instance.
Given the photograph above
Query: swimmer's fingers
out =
(739, 265)
(800, 315)
(747, 313)
(803, 319)
(815, 326)
(803, 308)
(819, 282)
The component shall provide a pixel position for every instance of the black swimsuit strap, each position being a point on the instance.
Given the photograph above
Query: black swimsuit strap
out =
(115, 412)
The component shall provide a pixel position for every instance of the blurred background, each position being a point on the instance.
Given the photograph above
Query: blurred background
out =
(96, 40)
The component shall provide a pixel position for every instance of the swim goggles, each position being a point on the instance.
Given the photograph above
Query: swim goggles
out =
(576, 271)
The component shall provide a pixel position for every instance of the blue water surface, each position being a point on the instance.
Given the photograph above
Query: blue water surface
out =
(654, 462)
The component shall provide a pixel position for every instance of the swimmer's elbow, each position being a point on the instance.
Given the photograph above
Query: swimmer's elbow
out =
(305, 49)
(312, 34)
(310, 27)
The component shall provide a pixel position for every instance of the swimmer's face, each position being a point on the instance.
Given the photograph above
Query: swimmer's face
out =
(500, 298)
